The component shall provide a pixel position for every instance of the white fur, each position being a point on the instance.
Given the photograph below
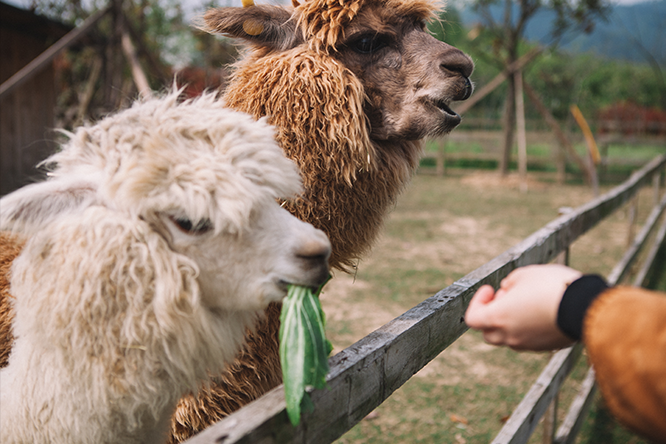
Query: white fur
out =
(119, 312)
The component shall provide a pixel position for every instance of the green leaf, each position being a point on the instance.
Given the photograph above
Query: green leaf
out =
(304, 348)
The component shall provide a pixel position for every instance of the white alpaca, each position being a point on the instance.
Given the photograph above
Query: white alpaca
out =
(153, 246)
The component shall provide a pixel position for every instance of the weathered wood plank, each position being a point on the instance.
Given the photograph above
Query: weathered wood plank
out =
(534, 404)
(526, 416)
(624, 265)
(567, 432)
(646, 268)
(361, 376)
(365, 374)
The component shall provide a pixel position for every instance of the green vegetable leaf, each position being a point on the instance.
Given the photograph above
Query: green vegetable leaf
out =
(304, 348)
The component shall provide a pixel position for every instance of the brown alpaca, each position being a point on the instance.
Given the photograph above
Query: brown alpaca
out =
(353, 87)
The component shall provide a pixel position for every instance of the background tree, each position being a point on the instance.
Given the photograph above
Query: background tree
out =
(94, 75)
(505, 22)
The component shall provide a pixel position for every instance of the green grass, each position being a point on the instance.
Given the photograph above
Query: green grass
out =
(622, 158)
(441, 229)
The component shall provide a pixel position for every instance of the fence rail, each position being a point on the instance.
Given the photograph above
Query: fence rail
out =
(512, 432)
(455, 147)
(366, 373)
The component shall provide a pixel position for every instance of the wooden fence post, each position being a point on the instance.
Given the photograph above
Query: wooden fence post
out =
(593, 157)
(89, 90)
(113, 58)
(561, 137)
(550, 417)
(520, 129)
(633, 209)
(440, 160)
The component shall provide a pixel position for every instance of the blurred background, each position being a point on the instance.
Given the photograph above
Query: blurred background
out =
(607, 59)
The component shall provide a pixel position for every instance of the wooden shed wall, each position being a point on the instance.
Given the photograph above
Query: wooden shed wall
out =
(27, 113)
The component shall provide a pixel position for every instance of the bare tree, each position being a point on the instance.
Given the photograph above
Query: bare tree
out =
(506, 21)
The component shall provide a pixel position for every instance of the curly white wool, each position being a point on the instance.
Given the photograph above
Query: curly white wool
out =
(152, 247)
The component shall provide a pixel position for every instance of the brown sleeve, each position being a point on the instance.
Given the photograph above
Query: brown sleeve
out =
(625, 334)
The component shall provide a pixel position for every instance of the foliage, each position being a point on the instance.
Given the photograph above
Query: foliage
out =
(560, 77)
(93, 77)
(507, 26)
(162, 30)
(72, 12)
(164, 22)
(506, 29)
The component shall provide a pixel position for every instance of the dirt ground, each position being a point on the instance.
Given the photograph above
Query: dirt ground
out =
(440, 230)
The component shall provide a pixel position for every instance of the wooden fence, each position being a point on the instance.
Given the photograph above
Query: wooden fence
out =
(490, 144)
(365, 374)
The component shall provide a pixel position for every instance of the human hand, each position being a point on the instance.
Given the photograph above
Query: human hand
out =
(522, 314)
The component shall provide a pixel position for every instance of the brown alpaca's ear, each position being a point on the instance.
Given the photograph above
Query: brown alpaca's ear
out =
(265, 25)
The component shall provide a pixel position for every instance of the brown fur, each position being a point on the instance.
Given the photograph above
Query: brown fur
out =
(353, 122)
(10, 247)
(329, 110)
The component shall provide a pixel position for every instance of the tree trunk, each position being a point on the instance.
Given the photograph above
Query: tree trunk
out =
(509, 123)
(520, 128)
(114, 60)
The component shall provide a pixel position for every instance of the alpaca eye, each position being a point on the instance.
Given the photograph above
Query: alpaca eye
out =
(187, 226)
(368, 43)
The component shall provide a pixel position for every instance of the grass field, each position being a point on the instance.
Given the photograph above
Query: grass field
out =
(481, 150)
(441, 229)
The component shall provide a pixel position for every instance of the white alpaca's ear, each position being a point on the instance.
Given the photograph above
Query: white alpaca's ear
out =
(35, 206)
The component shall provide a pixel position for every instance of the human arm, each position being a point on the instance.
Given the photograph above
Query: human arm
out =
(625, 335)
(523, 312)
(623, 328)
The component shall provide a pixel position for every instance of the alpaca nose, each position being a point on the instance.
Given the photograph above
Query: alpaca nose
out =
(314, 253)
(454, 61)
(316, 248)
(457, 67)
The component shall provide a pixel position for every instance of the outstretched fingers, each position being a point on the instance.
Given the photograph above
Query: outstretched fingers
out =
(481, 315)
(478, 313)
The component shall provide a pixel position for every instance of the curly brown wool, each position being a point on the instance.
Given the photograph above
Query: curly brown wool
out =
(10, 247)
(353, 121)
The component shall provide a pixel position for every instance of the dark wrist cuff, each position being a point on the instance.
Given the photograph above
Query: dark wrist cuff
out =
(576, 300)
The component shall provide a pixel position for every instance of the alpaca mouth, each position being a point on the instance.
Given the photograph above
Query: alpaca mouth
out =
(444, 106)
(284, 285)
(463, 92)
(451, 118)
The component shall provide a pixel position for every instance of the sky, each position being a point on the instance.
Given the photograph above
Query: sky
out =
(193, 4)
(193, 8)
